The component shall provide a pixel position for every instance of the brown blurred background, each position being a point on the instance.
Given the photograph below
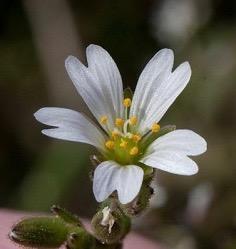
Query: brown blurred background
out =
(36, 171)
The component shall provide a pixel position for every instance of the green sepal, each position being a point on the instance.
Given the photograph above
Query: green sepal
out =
(80, 239)
(96, 160)
(118, 231)
(128, 93)
(66, 216)
(148, 171)
(166, 129)
(40, 232)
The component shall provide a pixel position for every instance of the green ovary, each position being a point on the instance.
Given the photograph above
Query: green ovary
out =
(123, 150)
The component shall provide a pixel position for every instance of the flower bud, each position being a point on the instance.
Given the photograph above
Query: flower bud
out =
(40, 232)
(110, 227)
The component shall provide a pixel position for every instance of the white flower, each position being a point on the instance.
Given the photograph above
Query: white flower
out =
(129, 135)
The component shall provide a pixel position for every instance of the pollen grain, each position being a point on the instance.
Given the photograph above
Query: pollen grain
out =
(123, 144)
(134, 151)
(115, 134)
(136, 137)
(119, 122)
(127, 102)
(133, 120)
(155, 128)
(103, 119)
(110, 144)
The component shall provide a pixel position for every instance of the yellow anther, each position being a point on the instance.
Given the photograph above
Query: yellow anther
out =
(103, 119)
(123, 143)
(133, 151)
(136, 137)
(110, 144)
(133, 120)
(119, 122)
(115, 134)
(127, 102)
(155, 128)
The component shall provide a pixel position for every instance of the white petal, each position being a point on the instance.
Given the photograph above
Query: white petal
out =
(168, 92)
(180, 141)
(170, 151)
(158, 88)
(101, 65)
(171, 162)
(150, 80)
(110, 176)
(99, 84)
(71, 125)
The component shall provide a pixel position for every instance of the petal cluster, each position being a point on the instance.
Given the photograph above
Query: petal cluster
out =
(125, 124)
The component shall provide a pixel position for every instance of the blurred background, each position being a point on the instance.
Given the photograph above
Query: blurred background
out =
(36, 171)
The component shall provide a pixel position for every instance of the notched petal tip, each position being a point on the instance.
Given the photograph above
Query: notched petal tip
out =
(38, 114)
(168, 51)
(202, 145)
(110, 177)
(45, 131)
(94, 46)
(193, 171)
(200, 142)
(187, 68)
(94, 49)
(69, 60)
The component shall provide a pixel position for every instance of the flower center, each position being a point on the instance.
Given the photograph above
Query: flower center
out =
(125, 145)
(124, 149)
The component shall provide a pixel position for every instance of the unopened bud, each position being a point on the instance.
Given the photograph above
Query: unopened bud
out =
(40, 232)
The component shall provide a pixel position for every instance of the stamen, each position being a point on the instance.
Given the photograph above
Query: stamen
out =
(133, 120)
(115, 133)
(136, 137)
(125, 128)
(103, 119)
(123, 144)
(119, 122)
(155, 128)
(110, 144)
(127, 102)
(133, 151)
